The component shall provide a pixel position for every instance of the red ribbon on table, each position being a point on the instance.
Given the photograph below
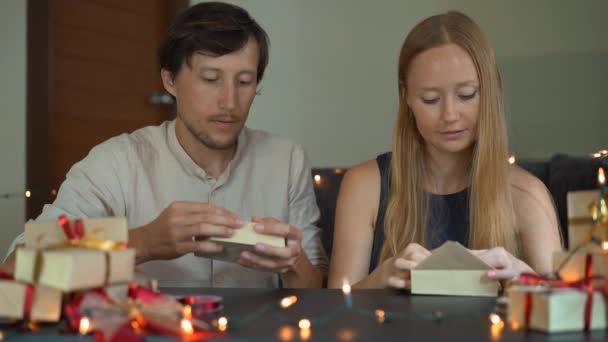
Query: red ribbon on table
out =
(145, 311)
(29, 294)
(586, 285)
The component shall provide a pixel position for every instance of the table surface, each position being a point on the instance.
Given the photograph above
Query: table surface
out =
(254, 315)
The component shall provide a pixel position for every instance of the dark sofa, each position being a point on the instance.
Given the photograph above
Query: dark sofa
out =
(561, 174)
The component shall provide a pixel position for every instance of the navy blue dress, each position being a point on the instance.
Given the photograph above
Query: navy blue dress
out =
(448, 215)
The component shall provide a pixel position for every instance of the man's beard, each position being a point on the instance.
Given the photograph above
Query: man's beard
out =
(207, 140)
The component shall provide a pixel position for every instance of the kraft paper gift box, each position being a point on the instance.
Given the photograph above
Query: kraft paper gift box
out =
(454, 271)
(67, 268)
(46, 302)
(48, 233)
(574, 268)
(579, 217)
(554, 310)
(244, 239)
(74, 269)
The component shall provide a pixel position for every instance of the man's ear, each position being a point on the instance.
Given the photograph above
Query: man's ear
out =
(168, 81)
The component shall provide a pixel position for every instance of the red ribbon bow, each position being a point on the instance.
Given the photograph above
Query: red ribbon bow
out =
(131, 328)
(73, 234)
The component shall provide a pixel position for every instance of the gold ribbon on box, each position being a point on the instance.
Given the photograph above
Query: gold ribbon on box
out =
(76, 238)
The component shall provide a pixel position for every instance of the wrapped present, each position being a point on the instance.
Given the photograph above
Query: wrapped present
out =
(143, 312)
(583, 221)
(53, 233)
(572, 266)
(23, 301)
(554, 306)
(82, 260)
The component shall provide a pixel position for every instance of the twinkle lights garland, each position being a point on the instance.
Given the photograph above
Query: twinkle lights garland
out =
(306, 324)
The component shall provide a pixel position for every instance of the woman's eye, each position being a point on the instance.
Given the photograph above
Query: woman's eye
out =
(468, 97)
(430, 101)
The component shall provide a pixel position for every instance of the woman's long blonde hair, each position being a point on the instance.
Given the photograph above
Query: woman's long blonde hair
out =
(491, 209)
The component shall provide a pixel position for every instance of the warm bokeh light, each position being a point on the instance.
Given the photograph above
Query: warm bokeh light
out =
(338, 171)
(84, 326)
(512, 159)
(187, 311)
(187, 327)
(304, 324)
(346, 335)
(601, 178)
(605, 245)
(317, 179)
(495, 319)
(288, 301)
(222, 323)
(380, 315)
(286, 333)
(305, 334)
(346, 287)
(28, 194)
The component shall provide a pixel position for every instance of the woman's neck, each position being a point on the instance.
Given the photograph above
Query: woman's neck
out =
(448, 172)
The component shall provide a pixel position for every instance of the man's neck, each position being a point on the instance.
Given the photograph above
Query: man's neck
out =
(213, 161)
(448, 172)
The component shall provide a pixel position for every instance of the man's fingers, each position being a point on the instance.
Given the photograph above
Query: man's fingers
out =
(255, 261)
(197, 247)
(277, 252)
(219, 220)
(202, 231)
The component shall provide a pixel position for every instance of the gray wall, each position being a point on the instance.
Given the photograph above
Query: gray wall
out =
(331, 83)
(12, 118)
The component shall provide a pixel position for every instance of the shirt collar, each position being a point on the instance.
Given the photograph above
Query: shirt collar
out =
(192, 169)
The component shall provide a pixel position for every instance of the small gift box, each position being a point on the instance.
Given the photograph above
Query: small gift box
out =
(83, 259)
(244, 239)
(23, 301)
(580, 219)
(557, 306)
(574, 266)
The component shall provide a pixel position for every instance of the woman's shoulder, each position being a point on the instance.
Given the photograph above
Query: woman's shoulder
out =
(530, 195)
(525, 183)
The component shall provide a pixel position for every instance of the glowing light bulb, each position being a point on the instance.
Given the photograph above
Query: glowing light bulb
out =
(495, 319)
(187, 327)
(512, 159)
(222, 323)
(28, 194)
(317, 179)
(380, 315)
(288, 301)
(304, 324)
(84, 326)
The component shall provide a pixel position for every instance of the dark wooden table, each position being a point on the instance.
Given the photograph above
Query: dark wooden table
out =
(254, 315)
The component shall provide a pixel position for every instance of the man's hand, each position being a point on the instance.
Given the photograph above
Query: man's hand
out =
(183, 227)
(270, 258)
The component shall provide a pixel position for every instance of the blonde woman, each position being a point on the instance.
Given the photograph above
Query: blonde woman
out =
(448, 176)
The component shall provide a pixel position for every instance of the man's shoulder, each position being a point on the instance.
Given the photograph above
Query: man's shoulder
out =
(266, 142)
(143, 139)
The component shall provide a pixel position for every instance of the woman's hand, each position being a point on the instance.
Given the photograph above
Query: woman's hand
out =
(506, 266)
(395, 272)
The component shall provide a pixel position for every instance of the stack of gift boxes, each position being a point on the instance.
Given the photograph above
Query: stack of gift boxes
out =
(61, 258)
(574, 297)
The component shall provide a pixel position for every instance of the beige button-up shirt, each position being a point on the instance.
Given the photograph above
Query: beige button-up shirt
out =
(138, 175)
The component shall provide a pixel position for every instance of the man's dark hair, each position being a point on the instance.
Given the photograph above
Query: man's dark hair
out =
(213, 28)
